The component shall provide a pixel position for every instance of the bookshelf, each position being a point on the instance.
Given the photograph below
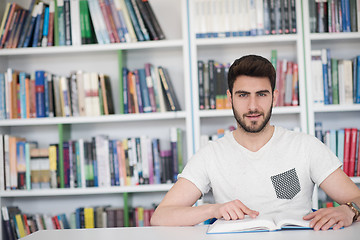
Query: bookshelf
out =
(179, 53)
(171, 53)
(342, 45)
(227, 49)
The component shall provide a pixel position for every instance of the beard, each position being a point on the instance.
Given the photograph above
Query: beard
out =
(254, 126)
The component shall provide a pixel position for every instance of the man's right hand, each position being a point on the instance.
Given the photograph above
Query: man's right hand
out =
(233, 210)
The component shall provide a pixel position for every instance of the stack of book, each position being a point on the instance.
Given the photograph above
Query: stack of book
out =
(233, 18)
(334, 16)
(42, 94)
(335, 81)
(76, 22)
(148, 89)
(101, 162)
(18, 224)
(345, 144)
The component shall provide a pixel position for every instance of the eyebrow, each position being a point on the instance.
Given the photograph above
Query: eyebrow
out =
(246, 92)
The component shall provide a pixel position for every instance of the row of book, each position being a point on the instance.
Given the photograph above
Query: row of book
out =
(18, 224)
(233, 18)
(335, 81)
(213, 83)
(345, 144)
(334, 16)
(42, 94)
(75, 22)
(100, 162)
(148, 89)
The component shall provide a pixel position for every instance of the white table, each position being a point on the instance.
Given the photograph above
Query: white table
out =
(190, 233)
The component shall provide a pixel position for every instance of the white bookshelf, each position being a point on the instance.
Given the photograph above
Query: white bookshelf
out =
(343, 45)
(179, 54)
(86, 191)
(226, 50)
(97, 119)
(171, 53)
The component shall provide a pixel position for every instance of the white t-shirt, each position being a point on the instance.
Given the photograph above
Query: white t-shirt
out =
(278, 177)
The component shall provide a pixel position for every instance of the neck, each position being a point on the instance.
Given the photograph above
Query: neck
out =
(253, 141)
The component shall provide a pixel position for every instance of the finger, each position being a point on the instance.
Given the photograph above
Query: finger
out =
(309, 216)
(315, 220)
(245, 209)
(233, 215)
(248, 211)
(339, 225)
(239, 213)
(321, 222)
(329, 224)
(225, 215)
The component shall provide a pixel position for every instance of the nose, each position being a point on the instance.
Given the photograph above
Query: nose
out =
(253, 103)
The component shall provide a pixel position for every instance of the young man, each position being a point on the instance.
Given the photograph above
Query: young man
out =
(259, 168)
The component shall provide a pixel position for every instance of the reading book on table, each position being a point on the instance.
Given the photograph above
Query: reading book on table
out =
(273, 222)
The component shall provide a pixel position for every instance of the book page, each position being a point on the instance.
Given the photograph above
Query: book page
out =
(291, 220)
(260, 223)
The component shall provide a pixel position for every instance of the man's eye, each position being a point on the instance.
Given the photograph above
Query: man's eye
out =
(242, 95)
(261, 94)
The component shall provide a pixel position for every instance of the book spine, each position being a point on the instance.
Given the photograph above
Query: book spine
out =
(113, 36)
(154, 20)
(201, 85)
(347, 145)
(37, 25)
(22, 79)
(144, 91)
(212, 81)
(140, 21)
(67, 23)
(75, 22)
(138, 91)
(352, 157)
(45, 33)
(30, 31)
(51, 24)
(61, 22)
(134, 20)
(40, 93)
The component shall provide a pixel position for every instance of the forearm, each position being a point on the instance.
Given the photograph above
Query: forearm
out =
(182, 216)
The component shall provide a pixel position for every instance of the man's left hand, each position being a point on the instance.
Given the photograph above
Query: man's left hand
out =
(325, 218)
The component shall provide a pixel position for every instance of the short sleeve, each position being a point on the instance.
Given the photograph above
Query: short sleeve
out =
(196, 171)
(323, 161)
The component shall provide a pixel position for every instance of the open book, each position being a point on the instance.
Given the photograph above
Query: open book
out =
(273, 222)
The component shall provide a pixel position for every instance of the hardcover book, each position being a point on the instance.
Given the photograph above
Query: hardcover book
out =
(261, 223)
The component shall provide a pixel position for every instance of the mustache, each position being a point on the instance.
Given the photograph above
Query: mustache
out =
(253, 113)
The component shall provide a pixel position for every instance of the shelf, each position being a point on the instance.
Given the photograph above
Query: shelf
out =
(98, 119)
(86, 191)
(92, 48)
(334, 36)
(336, 108)
(229, 112)
(290, 38)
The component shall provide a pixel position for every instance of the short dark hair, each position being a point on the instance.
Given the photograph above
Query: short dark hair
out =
(253, 66)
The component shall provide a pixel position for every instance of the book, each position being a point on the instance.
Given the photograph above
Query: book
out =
(169, 90)
(274, 222)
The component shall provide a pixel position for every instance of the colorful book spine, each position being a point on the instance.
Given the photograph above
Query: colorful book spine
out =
(40, 93)
(144, 91)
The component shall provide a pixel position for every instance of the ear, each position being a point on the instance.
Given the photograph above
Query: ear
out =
(229, 98)
(275, 97)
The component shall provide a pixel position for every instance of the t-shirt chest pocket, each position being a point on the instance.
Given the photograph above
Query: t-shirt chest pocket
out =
(286, 184)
